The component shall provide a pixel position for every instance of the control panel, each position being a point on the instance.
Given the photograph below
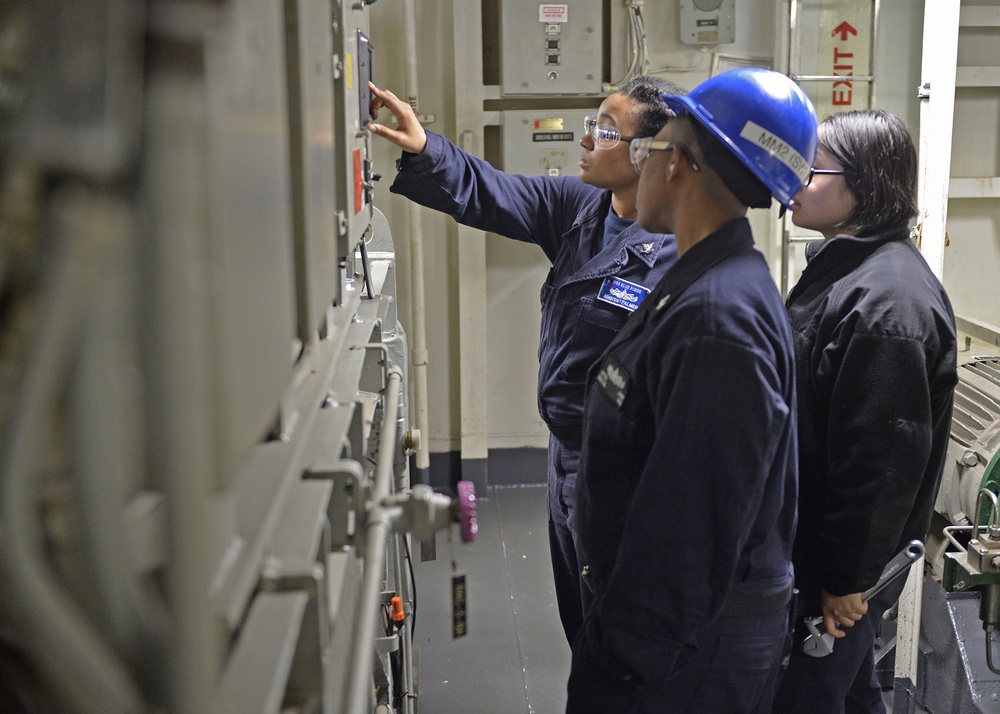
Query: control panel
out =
(551, 48)
(708, 22)
(543, 143)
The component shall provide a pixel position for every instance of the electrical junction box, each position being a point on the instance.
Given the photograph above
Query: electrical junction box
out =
(543, 142)
(551, 48)
(708, 22)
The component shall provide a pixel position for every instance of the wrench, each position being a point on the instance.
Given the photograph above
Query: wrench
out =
(819, 643)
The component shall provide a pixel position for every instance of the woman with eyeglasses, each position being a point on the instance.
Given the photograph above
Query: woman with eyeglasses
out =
(875, 351)
(603, 264)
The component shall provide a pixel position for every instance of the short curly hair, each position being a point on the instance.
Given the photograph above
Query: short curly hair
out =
(653, 112)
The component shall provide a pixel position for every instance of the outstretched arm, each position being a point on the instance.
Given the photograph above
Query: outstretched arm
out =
(410, 135)
(435, 173)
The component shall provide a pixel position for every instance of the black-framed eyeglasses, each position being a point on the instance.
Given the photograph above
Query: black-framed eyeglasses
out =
(640, 148)
(605, 136)
(826, 172)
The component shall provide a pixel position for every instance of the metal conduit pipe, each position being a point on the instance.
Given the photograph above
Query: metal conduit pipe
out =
(62, 642)
(108, 448)
(378, 526)
(418, 352)
(404, 688)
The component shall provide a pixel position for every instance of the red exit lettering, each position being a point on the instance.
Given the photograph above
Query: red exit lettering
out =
(843, 66)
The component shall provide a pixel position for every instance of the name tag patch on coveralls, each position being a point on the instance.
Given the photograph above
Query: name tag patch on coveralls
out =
(613, 380)
(622, 293)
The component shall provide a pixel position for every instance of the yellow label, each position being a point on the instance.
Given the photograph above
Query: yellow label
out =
(554, 124)
(349, 70)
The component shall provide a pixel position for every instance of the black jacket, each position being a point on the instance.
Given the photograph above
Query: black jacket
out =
(875, 351)
(687, 487)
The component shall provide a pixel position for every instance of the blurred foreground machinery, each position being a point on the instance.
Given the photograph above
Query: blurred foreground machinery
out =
(203, 464)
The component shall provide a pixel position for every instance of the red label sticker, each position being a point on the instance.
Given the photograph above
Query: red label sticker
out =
(358, 188)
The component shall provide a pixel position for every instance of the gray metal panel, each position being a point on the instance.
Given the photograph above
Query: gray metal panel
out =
(543, 142)
(249, 228)
(297, 563)
(707, 22)
(86, 116)
(354, 208)
(560, 55)
(175, 353)
(257, 671)
(330, 373)
(310, 76)
(302, 529)
(181, 383)
(344, 571)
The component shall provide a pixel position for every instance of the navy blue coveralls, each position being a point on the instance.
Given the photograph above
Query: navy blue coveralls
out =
(686, 499)
(875, 349)
(583, 306)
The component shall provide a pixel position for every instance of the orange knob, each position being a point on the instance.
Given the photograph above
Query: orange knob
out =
(397, 610)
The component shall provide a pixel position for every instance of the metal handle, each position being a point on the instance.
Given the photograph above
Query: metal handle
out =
(896, 567)
(819, 643)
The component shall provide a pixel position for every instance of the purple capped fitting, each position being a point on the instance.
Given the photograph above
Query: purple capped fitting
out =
(467, 510)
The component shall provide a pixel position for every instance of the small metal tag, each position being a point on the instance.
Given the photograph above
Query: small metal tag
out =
(459, 626)
(428, 549)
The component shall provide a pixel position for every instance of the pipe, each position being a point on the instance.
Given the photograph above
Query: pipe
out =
(404, 687)
(873, 87)
(62, 642)
(989, 613)
(989, 651)
(378, 526)
(418, 351)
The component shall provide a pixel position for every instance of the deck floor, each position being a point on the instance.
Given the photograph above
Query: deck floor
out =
(514, 658)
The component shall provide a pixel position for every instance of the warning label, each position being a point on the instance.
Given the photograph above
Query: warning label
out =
(552, 136)
(553, 13)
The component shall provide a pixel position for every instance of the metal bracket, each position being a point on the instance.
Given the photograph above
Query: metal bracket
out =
(347, 500)
(366, 382)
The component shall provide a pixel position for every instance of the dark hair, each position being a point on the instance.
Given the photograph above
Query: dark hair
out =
(880, 164)
(652, 113)
(740, 180)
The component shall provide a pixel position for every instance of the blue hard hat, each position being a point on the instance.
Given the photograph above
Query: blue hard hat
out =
(764, 118)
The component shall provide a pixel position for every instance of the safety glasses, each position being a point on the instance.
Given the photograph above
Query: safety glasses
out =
(604, 135)
(640, 148)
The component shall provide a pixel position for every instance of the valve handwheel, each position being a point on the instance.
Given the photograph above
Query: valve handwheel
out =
(467, 510)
